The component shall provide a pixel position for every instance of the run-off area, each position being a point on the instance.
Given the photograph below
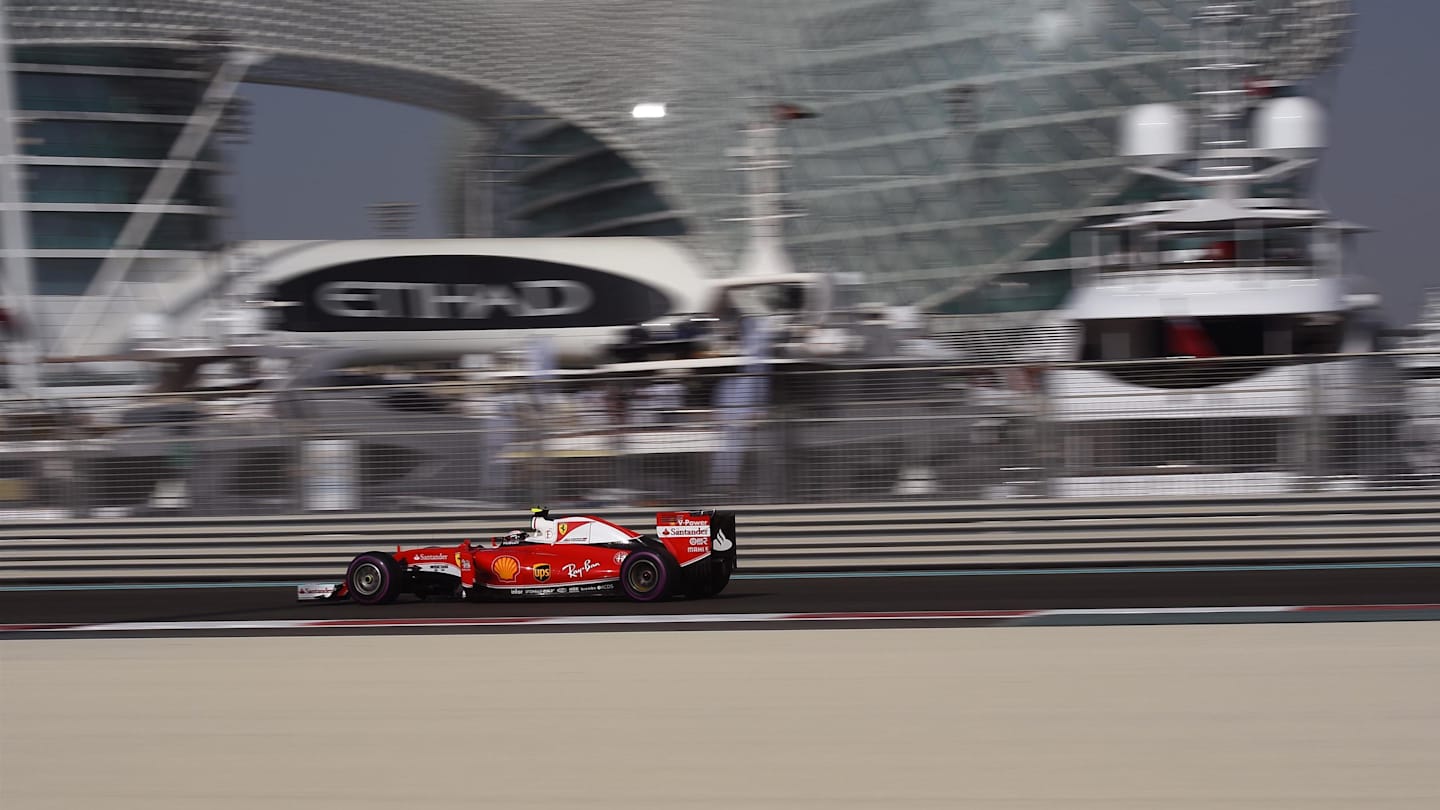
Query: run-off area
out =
(1234, 716)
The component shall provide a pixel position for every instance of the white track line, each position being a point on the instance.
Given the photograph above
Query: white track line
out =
(684, 618)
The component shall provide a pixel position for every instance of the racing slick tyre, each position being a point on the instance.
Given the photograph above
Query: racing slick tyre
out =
(647, 576)
(374, 578)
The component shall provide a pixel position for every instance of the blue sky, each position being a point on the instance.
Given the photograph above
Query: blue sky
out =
(1382, 169)
(316, 160)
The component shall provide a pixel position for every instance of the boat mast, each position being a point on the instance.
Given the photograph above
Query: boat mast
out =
(761, 159)
(1224, 99)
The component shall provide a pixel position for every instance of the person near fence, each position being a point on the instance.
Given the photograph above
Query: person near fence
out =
(739, 404)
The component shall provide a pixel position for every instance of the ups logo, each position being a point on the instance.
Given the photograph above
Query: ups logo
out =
(542, 572)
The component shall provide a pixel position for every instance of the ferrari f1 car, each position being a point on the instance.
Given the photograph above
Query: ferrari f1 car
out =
(690, 554)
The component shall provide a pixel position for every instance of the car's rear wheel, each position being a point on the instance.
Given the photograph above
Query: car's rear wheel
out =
(646, 576)
(373, 578)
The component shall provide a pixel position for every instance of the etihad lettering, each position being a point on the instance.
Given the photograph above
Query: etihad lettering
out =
(402, 299)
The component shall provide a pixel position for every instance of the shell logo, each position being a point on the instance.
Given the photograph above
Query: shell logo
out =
(541, 572)
(505, 568)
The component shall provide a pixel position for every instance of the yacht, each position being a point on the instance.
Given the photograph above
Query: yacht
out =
(1218, 343)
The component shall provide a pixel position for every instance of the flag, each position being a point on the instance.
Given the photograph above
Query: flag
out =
(1259, 88)
(1221, 251)
(12, 326)
(785, 111)
(1187, 337)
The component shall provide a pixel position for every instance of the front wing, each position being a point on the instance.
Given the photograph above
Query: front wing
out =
(320, 592)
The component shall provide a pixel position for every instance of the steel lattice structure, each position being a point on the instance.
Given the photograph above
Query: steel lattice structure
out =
(956, 137)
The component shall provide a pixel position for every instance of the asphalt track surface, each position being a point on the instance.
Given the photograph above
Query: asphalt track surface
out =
(852, 593)
(1325, 716)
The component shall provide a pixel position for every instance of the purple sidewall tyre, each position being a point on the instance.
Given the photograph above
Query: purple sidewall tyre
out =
(371, 579)
(645, 576)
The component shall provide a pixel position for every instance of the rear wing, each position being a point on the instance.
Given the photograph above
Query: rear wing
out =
(718, 527)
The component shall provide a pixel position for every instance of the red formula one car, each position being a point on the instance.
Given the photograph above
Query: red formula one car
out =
(690, 554)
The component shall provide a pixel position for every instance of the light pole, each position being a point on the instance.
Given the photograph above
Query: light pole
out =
(24, 370)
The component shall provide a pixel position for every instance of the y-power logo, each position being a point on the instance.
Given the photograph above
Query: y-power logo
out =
(722, 543)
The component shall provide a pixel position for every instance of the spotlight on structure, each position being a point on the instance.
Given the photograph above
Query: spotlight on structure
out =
(648, 110)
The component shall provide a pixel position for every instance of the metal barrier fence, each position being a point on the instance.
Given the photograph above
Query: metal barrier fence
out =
(780, 434)
(1356, 528)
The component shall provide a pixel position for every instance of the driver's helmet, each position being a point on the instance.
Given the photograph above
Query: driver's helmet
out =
(517, 536)
(542, 528)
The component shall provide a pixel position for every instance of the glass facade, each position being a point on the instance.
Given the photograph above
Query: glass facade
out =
(552, 178)
(96, 125)
(109, 185)
(956, 140)
(68, 92)
(99, 230)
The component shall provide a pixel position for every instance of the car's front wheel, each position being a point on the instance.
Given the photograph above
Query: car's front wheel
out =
(373, 578)
(646, 576)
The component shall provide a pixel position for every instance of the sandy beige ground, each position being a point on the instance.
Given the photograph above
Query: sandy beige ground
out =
(1164, 718)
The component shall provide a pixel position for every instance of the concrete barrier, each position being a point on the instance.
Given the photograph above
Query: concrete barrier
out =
(1351, 527)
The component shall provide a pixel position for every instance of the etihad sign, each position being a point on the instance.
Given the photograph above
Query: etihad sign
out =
(408, 299)
(463, 293)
